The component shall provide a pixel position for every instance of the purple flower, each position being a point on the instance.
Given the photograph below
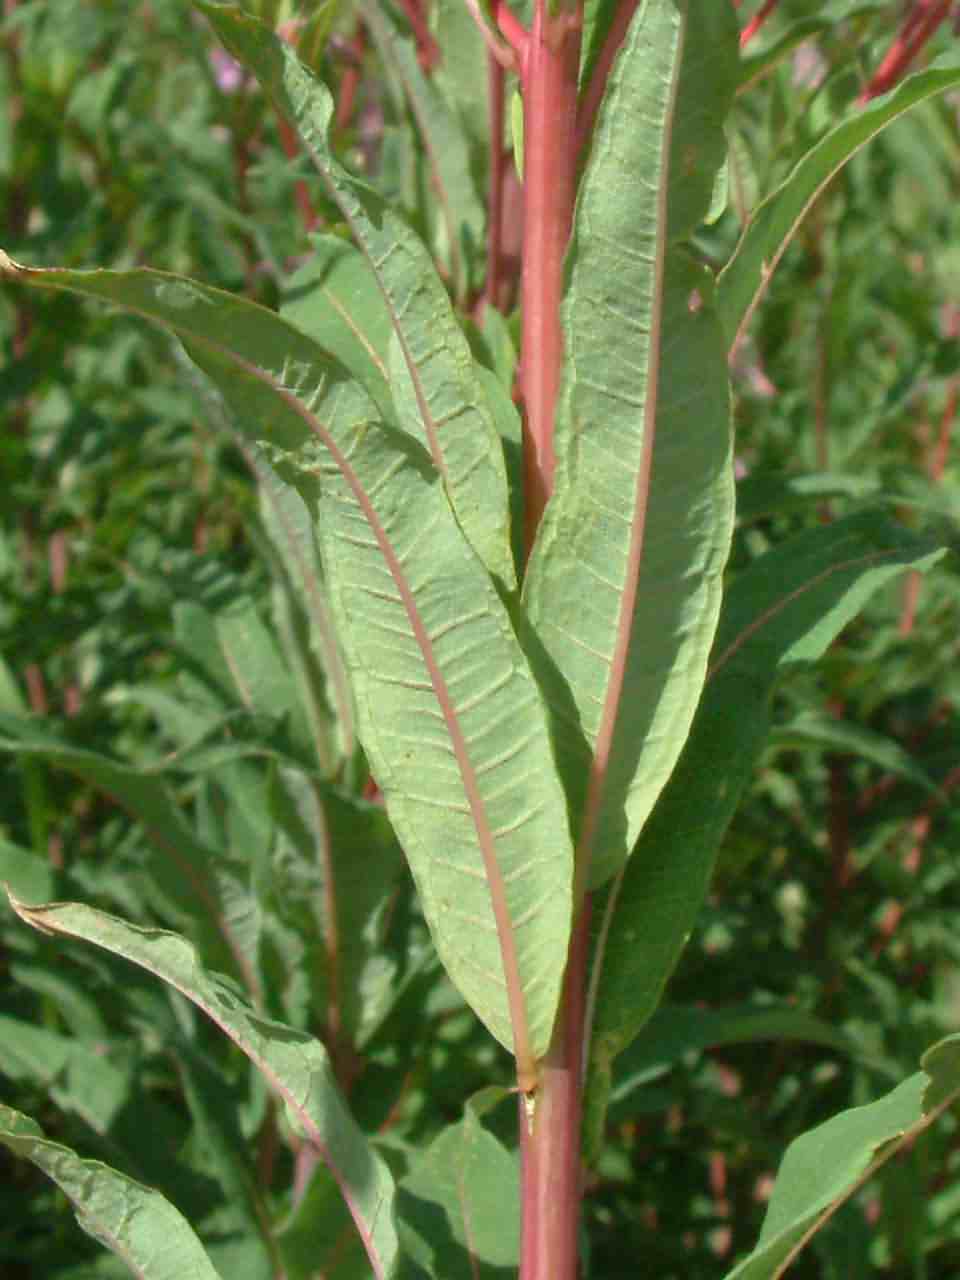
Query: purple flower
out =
(227, 71)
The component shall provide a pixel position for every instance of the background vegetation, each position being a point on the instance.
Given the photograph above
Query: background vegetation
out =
(145, 618)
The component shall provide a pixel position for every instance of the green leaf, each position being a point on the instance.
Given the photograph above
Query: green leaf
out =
(200, 884)
(451, 718)
(445, 145)
(239, 1230)
(318, 1239)
(772, 226)
(676, 1030)
(303, 621)
(461, 75)
(786, 608)
(824, 733)
(827, 1164)
(459, 1205)
(137, 1223)
(334, 875)
(336, 300)
(623, 587)
(260, 678)
(455, 424)
(27, 873)
(764, 493)
(293, 1063)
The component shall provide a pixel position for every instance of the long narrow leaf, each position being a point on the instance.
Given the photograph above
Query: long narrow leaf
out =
(455, 420)
(824, 1166)
(771, 228)
(135, 1222)
(785, 609)
(623, 587)
(444, 142)
(450, 715)
(293, 1063)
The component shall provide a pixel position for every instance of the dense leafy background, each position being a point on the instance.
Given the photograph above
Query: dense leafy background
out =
(143, 597)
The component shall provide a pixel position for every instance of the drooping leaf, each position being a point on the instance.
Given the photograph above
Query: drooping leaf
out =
(772, 226)
(451, 718)
(623, 586)
(293, 1063)
(137, 1223)
(827, 1163)
(455, 421)
(785, 609)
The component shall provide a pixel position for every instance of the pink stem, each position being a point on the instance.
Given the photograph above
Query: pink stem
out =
(549, 79)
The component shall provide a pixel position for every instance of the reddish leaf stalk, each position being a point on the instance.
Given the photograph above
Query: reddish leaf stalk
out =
(919, 25)
(756, 22)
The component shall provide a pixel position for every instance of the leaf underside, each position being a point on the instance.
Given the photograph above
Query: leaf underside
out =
(623, 587)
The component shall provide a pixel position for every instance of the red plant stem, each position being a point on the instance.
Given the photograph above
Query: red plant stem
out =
(511, 28)
(291, 147)
(495, 89)
(938, 463)
(918, 27)
(911, 599)
(350, 80)
(549, 80)
(428, 54)
(550, 1146)
(756, 22)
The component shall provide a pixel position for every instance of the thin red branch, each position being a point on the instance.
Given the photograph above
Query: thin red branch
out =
(495, 110)
(291, 146)
(756, 22)
(918, 26)
(428, 53)
(505, 54)
(941, 451)
(353, 53)
(511, 28)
